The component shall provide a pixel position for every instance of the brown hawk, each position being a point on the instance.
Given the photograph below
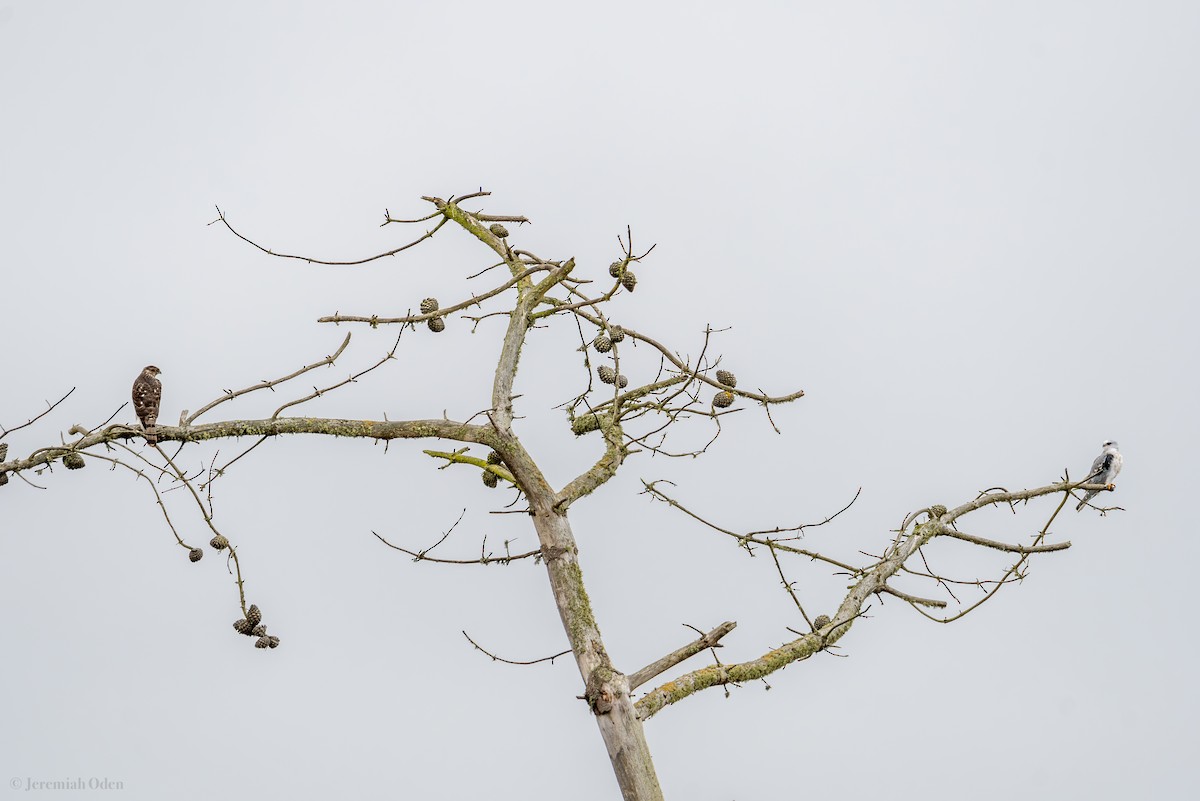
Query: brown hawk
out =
(147, 393)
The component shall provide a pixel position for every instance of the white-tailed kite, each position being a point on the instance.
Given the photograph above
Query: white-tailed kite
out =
(1103, 471)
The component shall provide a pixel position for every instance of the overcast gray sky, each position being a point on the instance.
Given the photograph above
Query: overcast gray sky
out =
(967, 230)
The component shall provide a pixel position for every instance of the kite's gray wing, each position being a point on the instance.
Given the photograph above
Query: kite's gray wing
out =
(1097, 475)
(1100, 466)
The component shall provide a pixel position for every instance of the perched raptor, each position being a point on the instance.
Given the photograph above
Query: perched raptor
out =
(1103, 471)
(147, 393)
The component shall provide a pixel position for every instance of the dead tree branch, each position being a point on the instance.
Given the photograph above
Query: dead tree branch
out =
(871, 580)
(423, 556)
(232, 394)
(428, 234)
(1004, 546)
(4, 432)
(710, 640)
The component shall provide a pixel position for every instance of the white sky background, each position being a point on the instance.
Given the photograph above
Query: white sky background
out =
(966, 230)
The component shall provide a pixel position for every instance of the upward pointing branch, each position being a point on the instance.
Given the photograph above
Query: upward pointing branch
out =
(519, 321)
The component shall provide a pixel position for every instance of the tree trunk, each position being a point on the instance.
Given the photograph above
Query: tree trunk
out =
(606, 689)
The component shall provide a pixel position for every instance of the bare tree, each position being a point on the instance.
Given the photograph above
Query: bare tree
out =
(623, 417)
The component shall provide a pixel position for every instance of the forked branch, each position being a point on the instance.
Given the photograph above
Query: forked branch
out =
(870, 580)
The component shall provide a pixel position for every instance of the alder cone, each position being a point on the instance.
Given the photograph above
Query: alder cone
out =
(498, 230)
(622, 381)
(243, 626)
(495, 458)
(73, 461)
(629, 280)
(607, 374)
(429, 305)
(490, 479)
(727, 378)
(821, 622)
(723, 399)
(615, 268)
(602, 344)
(436, 324)
(195, 554)
(254, 615)
(219, 542)
(617, 333)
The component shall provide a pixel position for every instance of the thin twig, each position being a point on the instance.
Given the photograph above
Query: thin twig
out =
(221, 218)
(1004, 546)
(495, 658)
(787, 585)
(231, 394)
(4, 432)
(422, 556)
(652, 488)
